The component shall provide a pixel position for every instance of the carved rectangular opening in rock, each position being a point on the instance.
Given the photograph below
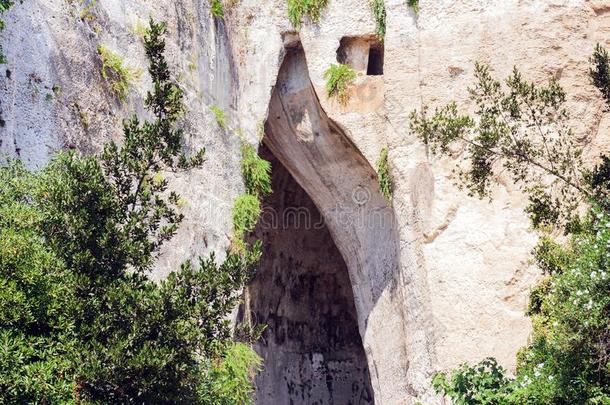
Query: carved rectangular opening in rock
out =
(375, 65)
(311, 348)
(363, 54)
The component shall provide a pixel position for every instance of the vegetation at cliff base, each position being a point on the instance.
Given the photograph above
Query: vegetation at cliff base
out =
(338, 78)
(80, 319)
(521, 130)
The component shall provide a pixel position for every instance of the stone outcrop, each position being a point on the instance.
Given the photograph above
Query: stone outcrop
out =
(446, 278)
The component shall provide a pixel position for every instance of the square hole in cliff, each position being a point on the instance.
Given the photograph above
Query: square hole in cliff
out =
(362, 53)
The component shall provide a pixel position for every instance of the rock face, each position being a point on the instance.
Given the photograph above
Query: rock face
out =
(435, 277)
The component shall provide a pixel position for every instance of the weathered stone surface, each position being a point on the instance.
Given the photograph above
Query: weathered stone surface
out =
(460, 271)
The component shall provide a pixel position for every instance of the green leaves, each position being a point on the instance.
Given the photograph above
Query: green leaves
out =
(338, 78)
(519, 129)
(522, 130)
(484, 383)
(379, 14)
(80, 320)
(383, 175)
(246, 211)
(600, 71)
(300, 9)
(255, 171)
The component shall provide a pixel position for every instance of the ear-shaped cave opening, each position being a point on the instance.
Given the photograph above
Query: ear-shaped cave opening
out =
(311, 348)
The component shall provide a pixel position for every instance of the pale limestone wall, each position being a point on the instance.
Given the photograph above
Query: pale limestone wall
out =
(464, 262)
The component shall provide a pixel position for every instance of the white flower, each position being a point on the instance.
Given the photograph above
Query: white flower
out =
(593, 274)
(551, 378)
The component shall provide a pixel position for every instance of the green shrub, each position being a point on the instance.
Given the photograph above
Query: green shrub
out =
(219, 116)
(114, 71)
(338, 78)
(383, 175)
(246, 211)
(256, 172)
(414, 4)
(231, 377)
(80, 320)
(525, 128)
(300, 9)
(378, 9)
(217, 8)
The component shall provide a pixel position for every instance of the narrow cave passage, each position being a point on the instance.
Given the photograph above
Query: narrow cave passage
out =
(312, 349)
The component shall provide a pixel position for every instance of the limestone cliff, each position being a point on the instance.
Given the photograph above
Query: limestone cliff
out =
(399, 290)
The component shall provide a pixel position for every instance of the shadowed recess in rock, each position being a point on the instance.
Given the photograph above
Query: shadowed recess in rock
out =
(311, 348)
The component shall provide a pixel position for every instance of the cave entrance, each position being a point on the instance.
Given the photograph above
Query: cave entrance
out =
(311, 348)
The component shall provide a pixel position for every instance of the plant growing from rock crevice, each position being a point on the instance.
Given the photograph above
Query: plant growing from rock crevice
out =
(300, 9)
(379, 13)
(256, 173)
(219, 116)
(338, 79)
(217, 9)
(383, 175)
(115, 72)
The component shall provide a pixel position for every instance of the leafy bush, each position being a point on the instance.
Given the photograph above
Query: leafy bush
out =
(524, 131)
(256, 172)
(80, 319)
(246, 211)
(378, 9)
(114, 71)
(311, 9)
(383, 175)
(219, 116)
(338, 78)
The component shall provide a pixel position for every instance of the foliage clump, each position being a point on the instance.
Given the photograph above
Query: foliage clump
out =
(300, 9)
(246, 211)
(114, 71)
(219, 116)
(256, 172)
(338, 78)
(522, 129)
(379, 13)
(217, 8)
(80, 319)
(600, 71)
(383, 175)
(524, 132)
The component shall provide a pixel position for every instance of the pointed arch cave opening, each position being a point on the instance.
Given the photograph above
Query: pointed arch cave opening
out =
(311, 348)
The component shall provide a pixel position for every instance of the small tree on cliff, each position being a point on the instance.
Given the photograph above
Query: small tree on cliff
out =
(521, 130)
(80, 319)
